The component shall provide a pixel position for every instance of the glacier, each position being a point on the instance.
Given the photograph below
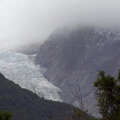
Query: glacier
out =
(22, 70)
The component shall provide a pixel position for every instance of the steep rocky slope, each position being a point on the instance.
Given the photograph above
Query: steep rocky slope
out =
(75, 57)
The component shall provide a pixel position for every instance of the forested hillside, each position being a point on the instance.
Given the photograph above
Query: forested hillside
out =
(25, 105)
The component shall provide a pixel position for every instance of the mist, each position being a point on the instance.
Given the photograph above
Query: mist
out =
(23, 22)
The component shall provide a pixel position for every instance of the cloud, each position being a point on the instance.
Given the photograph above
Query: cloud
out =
(27, 21)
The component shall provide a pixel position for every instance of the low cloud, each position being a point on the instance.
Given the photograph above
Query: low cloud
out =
(27, 21)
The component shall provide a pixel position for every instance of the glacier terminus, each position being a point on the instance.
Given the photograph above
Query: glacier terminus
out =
(22, 70)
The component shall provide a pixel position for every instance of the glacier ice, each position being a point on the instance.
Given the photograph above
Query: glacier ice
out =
(22, 70)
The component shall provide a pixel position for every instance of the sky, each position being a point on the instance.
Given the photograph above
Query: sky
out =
(23, 22)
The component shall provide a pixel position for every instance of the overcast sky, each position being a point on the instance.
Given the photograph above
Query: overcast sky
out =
(27, 21)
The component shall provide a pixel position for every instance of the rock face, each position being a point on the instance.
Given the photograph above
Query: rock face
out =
(75, 57)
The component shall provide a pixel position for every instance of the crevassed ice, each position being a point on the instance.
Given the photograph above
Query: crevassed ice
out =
(22, 70)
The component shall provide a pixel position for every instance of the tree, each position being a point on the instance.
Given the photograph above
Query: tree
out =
(108, 96)
(80, 114)
(5, 115)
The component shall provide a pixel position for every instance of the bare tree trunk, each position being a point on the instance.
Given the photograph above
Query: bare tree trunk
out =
(78, 95)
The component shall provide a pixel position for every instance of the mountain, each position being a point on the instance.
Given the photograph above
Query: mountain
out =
(29, 49)
(22, 70)
(74, 57)
(25, 105)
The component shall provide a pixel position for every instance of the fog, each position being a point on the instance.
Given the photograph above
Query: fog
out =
(23, 22)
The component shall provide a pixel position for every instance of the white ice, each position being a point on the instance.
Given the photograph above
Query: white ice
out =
(22, 70)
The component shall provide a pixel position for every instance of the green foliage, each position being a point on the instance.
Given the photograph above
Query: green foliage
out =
(94, 119)
(108, 96)
(80, 115)
(5, 115)
(26, 105)
(77, 113)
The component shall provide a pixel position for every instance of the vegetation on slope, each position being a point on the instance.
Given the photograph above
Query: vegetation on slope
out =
(25, 105)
